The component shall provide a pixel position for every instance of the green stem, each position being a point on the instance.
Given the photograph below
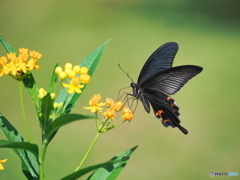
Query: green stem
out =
(87, 153)
(41, 161)
(96, 121)
(23, 113)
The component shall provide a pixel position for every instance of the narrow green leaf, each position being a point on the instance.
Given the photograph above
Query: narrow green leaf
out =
(29, 161)
(47, 104)
(63, 120)
(115, 162)
(53, 81)
(32, 89)
(91, 62)
(33, 148)
(112, 171)
(86, 170)
(7, 46)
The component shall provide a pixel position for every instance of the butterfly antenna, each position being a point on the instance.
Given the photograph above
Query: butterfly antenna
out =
(125, 72)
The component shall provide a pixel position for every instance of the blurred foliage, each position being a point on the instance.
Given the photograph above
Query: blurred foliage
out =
(208, 33)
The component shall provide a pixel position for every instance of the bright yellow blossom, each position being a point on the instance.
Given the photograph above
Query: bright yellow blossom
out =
(109, 102)
(72, 73)
(94, 103)
(41, 93)
(18, 66)
(127, 114)
(68, 66)
(118, 105)
(73, 86)
(2, 161)
(58, 70)
(85, 78)
(76, 69)
(83, 70)
(110, 114)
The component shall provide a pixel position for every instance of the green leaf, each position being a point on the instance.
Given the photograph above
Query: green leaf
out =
(32, 89)
(47, 104)
(53, 81)
(112, 171)
(29, 161)
(91, 62)
(63, 120)
(112, 164)
(7, 46)
(33, 148)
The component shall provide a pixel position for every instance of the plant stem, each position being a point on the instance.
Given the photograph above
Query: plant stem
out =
(41, 161)
(96, 121)
(23, 113)
(87, 153)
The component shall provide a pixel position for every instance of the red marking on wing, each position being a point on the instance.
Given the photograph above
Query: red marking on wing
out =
(159, 113)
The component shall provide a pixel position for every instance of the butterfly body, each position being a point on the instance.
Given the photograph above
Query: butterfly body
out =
(158, 80)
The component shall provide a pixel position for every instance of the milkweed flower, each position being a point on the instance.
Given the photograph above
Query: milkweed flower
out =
(109, 102)
(19, 65)
(2, 161)
(118, 105)
(110, 114)
(41, 93)
(112, 107)
(94, 103)
(73, 78)
(127, 114)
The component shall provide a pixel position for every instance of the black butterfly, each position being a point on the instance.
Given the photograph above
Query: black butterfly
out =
(158, 79)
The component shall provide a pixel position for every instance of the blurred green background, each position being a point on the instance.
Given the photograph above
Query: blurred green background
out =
(208, 33)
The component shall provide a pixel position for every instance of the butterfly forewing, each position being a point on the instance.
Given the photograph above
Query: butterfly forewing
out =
(171, 80)
(160, 60)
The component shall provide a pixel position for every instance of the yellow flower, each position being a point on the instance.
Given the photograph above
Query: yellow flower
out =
(32, 64)
(53, 95)
(35, 55)
(70, 74)
(18, 66)
(94, 103)
(85, 78)
(41, 93)
(110, 113)
(68, 66)
(2, 161)
(109, 102)
(73, 73)
(76, 69)
(83, 70)
(127, 114)
(73, 86)
(118, 105)
(57, 105)
(58, 70)
(62, 75)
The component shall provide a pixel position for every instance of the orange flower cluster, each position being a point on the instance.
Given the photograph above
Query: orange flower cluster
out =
(112, 108)
(77, 75)
(19, 65)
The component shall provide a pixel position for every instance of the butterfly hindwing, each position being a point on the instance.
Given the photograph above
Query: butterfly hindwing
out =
(165, 109)
(160, 60)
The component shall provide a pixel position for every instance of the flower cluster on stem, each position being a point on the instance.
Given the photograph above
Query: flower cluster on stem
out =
(19, 65)
(73, 78)
(109, 110)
